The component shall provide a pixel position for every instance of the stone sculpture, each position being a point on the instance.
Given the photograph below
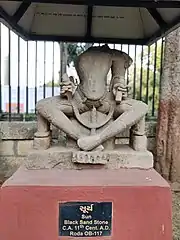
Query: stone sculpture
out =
(91, 114)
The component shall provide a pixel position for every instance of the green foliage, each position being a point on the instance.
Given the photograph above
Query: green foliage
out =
(148, 77)
(30, 117)
(50, 84)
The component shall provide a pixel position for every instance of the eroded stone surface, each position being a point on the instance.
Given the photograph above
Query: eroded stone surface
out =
(21, 130)
(6, 148)
(23, 147)
(17, 130)
(9, 165)
(50, 158)
(41, 143)
(59, 157)
(96, 157)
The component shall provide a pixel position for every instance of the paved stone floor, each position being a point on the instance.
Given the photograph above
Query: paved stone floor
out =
(176, 216)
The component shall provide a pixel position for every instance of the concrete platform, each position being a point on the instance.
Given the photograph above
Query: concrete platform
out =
(141, 202)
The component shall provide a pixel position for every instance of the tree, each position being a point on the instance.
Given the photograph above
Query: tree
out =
(168, 128)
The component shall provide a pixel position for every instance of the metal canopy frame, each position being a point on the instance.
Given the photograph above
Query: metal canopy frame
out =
(150, 5)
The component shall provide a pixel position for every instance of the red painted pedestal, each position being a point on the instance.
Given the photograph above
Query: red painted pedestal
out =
(29, 202)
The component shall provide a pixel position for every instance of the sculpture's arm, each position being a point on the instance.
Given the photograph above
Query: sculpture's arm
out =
(120, 62)
(67, 86)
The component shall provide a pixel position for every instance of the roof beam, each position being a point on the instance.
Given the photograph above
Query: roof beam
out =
(157, 17)
(164, 31)
(85, 39)
(120, 3)
(89, 21)
(9, 22)
(21, 11)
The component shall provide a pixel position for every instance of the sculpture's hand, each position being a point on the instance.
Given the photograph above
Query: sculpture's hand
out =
(119, 92)
(67, 87)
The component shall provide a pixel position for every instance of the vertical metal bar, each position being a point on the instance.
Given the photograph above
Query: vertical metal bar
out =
(27, 80)
(18, 87)
(114, 46)
(9, 74)
(141, 75)
(134, 80)
(128, 68)
(61, 60)
(44, 85)
(147, 80)
(121, 47)
(53, 72)
(154, 80)
(35, 87)
(0, 72)
(161, 65)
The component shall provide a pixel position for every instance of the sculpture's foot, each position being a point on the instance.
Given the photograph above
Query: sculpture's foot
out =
(89, 143)
(99, 148)
(41, 143)
(139, 143)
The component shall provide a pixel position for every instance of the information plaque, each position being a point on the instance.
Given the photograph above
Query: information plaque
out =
(85, 219)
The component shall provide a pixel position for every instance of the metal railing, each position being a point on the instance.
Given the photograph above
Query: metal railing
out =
(30, 71)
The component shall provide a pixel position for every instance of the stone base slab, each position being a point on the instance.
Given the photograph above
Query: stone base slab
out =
(141, 202)
(41, 143)
(66, 158)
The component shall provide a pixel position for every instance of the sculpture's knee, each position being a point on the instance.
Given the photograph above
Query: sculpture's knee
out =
(141, 108)
(42, 105)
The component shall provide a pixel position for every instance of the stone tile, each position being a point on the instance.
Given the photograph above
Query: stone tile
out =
(17, 130)
(21, 130)
(150, 142)
(7, 148)
(150, 130)
(24, 147)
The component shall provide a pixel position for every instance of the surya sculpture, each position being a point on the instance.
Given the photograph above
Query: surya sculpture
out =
(90, 113)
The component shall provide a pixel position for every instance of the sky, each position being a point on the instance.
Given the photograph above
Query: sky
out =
(29, 75)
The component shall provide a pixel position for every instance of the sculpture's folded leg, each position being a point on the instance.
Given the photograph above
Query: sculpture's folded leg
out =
(53, 110)
(138, 139)
(42, 138)
(130, 117)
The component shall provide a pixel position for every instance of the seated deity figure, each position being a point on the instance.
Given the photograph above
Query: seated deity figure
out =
(105, 112)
